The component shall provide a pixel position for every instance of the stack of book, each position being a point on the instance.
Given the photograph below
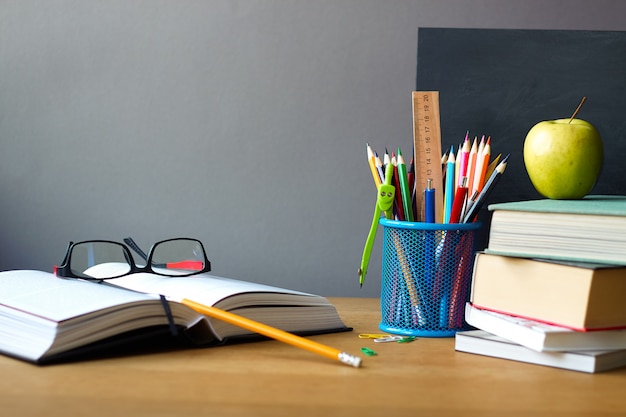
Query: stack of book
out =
(550, 288)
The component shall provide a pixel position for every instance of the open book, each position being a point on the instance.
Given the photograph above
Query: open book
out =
(44, 318)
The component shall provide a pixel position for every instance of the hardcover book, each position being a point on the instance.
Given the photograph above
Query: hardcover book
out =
(481, 342)
(541, 336)
(580, 296)
(592, 229)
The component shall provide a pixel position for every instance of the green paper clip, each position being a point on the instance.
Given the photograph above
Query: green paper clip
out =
(368, 352)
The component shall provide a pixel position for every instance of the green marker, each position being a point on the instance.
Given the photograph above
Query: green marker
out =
(405, 188)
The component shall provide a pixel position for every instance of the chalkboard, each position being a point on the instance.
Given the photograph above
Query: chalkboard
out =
(500, 82)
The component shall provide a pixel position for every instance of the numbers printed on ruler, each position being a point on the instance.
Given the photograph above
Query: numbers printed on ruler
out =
(426, 137)
(427, 145)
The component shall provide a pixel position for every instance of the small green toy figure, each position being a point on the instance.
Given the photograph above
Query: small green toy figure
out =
(384, 204)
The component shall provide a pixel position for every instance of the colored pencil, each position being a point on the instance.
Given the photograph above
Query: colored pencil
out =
(372, 163)
(449, 187)
(472, 212)
(459, 201)
(404, 188)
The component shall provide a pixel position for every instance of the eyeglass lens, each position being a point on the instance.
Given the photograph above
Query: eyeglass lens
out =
(90, 258)
(177, 257)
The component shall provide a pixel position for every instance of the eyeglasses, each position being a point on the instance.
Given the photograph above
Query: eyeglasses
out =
(105, 259)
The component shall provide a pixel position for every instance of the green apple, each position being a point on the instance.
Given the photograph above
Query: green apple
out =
(563, 158)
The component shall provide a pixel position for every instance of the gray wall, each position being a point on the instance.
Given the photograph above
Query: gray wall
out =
(240, 122)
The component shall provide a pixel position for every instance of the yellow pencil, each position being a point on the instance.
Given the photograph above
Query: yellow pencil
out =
(274, 333)
(371, 159)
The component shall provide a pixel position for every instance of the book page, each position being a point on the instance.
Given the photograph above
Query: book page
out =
(45, 295)
(207, 289)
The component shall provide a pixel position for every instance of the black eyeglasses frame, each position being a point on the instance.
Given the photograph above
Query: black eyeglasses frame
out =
(64, 270)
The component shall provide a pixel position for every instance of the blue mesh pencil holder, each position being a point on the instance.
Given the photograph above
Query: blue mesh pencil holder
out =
(426, 277)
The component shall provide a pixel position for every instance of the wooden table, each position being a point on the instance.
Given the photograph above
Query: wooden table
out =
(424, 377)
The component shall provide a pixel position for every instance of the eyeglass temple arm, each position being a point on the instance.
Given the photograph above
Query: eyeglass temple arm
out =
(131, 244)
(65, 259)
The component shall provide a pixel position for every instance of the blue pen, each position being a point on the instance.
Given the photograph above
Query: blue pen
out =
(429, 236)
(429, 202)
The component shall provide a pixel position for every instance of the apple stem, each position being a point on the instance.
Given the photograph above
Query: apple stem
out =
(577, 109)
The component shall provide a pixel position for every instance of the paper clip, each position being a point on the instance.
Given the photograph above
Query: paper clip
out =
(407, 339)
(372, 336)
(399, 339)
(388, 339)
(369, 352)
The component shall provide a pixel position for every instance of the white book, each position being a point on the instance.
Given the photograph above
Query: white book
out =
(44, 318)
(542, 336)
(481, 342)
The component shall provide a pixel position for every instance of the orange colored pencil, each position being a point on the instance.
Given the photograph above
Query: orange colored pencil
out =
(478, 166)
(492, 165)
(485, 165)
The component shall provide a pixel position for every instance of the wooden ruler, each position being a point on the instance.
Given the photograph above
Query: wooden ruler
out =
(427, 145)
